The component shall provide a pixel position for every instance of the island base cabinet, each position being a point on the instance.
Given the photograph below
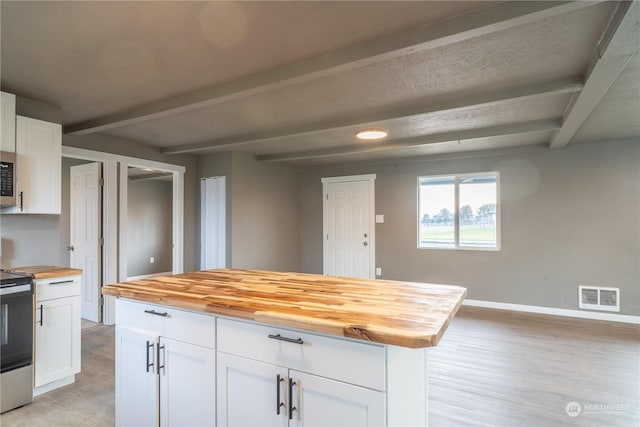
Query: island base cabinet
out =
(249, 393)
(136, 380)
(187, 384)
(325, 402)
(254, 393)
(161, 380)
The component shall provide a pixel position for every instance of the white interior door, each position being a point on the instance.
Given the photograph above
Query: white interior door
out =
(85, 201)
(213, 223)
(349, 226)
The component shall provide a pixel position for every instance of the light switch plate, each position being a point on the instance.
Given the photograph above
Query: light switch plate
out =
(379, 219)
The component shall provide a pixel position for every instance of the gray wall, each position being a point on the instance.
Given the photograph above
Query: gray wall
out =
(262, 211)
(265, 215)
(31, 240)
(149, 227)
(569, 217)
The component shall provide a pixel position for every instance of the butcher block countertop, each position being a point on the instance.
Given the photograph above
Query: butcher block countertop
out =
(46, 271)
(406, 314)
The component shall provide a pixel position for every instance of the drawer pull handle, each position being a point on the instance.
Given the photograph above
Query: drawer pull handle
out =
(165, 314)
(279, 404)
(281, 338)
(61, 283)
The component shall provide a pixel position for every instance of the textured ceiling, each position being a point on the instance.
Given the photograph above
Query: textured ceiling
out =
(294, 81)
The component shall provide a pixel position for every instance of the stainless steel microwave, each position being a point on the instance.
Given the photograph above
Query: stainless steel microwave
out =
(7, 179)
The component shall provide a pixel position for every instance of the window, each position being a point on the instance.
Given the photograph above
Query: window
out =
(459, 211)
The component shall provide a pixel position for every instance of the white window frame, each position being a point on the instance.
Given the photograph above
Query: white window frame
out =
(457, 178)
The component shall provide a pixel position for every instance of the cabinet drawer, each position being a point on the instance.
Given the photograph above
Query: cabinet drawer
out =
(352, 362)
(181, 325)
(57, 287)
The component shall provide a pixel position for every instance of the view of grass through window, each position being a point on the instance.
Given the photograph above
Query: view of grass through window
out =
(458, 211)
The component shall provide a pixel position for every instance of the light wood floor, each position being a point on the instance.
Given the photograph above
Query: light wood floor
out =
(492, 368)
(500, 368)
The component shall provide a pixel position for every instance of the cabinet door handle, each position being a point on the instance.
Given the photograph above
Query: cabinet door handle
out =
(149, 346)
(279, 404)
(21, 201)
(160, 347)
(41, 308)
(281, 338)
(61, 283)
(165, 314)
(291, 407)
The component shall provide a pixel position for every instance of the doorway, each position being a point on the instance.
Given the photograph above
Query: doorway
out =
(150, 223)
(349, 226)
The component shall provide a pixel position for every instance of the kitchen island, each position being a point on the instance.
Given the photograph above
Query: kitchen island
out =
(241, 347)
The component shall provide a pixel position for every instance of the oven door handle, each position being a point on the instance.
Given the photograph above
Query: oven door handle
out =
(10, 290)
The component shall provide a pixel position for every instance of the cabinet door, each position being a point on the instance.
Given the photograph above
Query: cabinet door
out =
(248, 393)
(136, 378)
(57, 339)
(8, 122)
(39, 167)
(187, 384)
(324, 402)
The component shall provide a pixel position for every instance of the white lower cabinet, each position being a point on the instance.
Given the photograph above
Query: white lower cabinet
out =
(161, 378)
(252, 393)
(279, 377)
(182, 368)
(57, 333)
(249, 393)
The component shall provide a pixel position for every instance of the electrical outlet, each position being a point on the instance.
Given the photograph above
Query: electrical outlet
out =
(152, 260)
(378, 271)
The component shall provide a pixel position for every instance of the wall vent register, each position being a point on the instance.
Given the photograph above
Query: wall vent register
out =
(599, 298)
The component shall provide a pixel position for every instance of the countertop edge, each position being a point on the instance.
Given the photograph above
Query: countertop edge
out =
(310, 325)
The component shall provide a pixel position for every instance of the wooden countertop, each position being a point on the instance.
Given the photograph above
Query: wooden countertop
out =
(46, 271)
(406, 314)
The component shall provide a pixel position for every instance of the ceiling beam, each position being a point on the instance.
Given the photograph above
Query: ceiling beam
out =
(491, 131)
(461, 102)
(484, 21)
(614, 51)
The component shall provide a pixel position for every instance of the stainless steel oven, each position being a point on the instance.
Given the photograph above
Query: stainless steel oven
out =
(16, 339)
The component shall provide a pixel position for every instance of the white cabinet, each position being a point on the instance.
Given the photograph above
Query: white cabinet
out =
(7, 122)
(38, 167)
(177, 367)
(250, 393)
(165, 366)
(57, 333)
(293, 378)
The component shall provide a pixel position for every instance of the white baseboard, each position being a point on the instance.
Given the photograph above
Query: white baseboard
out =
(610, 317)
(148, 276)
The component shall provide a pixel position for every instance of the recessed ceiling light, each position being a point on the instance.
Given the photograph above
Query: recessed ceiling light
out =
(369, 134)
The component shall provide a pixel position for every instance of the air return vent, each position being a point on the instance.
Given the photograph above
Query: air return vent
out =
(597, 298)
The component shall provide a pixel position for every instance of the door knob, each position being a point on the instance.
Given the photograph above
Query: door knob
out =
(366, 243)
(71, 248)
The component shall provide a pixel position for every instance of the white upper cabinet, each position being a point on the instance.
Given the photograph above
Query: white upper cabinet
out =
(38, 167)
(8, 122)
